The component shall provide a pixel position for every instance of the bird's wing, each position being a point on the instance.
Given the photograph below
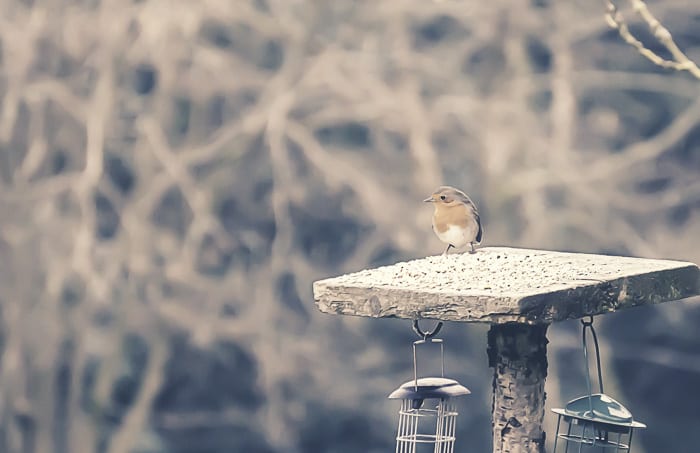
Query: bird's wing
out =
(464, 198)
(478, 222)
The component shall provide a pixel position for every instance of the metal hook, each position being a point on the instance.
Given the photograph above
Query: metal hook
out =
(428, 334)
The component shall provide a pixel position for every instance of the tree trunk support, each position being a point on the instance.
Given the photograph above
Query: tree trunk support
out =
(518, 355)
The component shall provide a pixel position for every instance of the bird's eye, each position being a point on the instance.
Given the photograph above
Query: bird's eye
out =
(443, 198)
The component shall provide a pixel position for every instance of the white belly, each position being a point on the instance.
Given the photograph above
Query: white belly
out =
(459, 237)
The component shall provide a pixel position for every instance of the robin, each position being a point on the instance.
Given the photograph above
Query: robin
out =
(456, 221)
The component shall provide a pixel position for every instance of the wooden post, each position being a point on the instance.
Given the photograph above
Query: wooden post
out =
(519, 292)
(518, 355)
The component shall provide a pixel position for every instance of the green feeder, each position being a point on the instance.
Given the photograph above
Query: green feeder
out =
(595, 422)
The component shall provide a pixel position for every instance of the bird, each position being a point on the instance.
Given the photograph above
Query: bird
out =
(456, 221)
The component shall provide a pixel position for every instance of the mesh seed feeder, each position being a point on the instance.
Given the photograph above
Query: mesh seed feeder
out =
(595, 422)
(428, 415)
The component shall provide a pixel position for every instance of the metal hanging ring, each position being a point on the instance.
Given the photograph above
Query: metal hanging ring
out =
(428, 334)
(589, 322)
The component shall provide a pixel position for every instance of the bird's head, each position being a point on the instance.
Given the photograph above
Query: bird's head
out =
(445, 195)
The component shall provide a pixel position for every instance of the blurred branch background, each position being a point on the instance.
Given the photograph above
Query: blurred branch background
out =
(174, 175)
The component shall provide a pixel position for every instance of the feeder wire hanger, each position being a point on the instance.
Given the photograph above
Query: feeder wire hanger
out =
(427, 337)
(589, 324)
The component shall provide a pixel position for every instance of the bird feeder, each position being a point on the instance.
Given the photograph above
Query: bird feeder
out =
(428, 414)
(519, 292)
(595, 422)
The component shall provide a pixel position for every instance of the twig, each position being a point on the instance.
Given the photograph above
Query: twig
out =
(680, 61)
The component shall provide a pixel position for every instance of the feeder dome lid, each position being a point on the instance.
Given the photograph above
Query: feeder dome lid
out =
(605, 410)
(429, 387)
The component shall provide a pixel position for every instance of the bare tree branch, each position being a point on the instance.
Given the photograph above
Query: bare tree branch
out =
(680, 61)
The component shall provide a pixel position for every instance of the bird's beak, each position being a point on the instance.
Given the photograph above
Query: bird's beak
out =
(429, 200)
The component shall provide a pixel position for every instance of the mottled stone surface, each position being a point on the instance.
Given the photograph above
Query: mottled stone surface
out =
(500, 284)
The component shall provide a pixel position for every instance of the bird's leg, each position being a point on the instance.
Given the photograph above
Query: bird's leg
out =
(471, 244)
(447, 249)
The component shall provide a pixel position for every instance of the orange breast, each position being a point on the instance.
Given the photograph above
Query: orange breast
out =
(444, 216)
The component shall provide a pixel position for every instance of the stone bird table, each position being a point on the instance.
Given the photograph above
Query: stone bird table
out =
(519, 292)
